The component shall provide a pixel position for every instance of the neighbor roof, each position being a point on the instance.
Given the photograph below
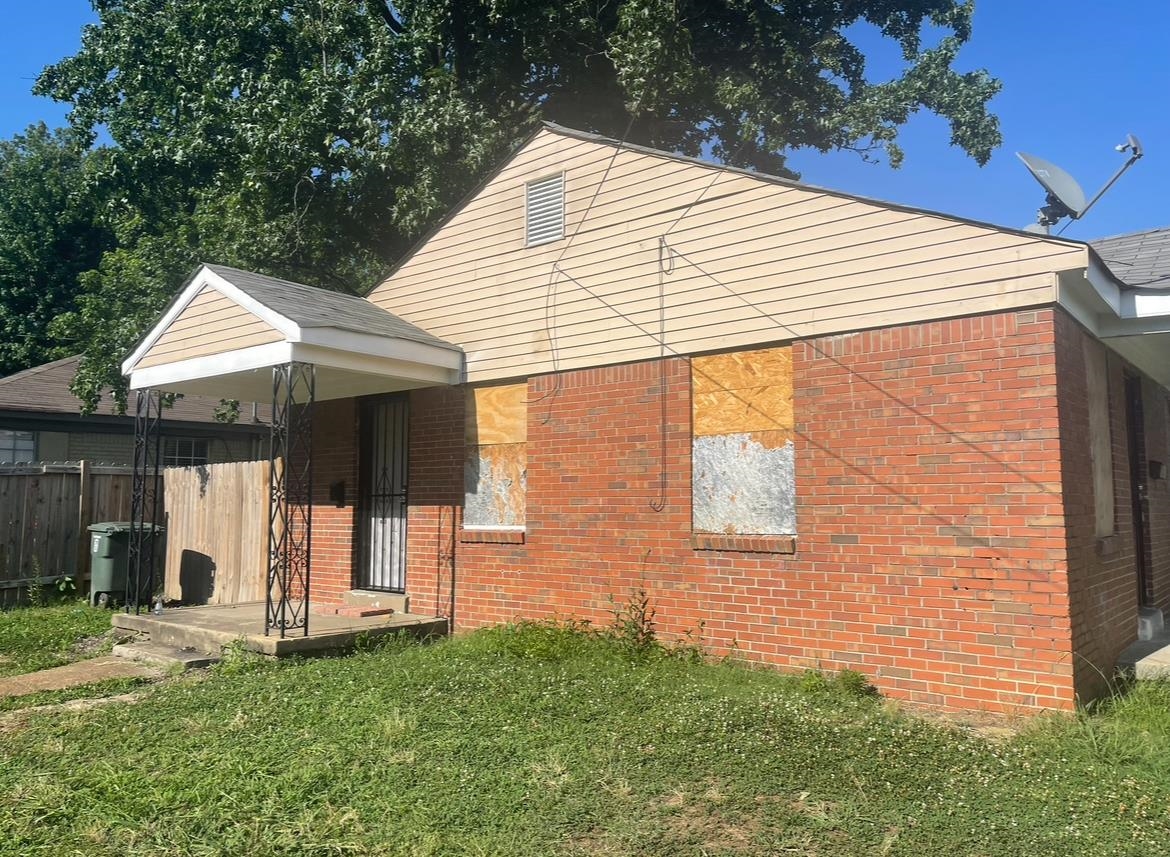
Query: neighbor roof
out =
(307, 306)
(1139, 259)
(45, 389)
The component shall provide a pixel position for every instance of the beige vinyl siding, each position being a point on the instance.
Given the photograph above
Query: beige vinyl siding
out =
(211, 324)
(753, 262)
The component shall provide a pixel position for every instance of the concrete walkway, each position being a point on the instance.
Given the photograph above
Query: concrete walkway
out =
(74, 675)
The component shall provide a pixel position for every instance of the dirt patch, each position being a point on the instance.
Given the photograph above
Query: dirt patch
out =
(990, 726)
(100, 644)
(700, 820)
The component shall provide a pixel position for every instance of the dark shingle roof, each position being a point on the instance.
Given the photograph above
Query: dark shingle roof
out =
(45, 390)
(1138, 258)
(311, 307)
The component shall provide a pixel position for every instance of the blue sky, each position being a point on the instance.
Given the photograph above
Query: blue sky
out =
(1078, 76)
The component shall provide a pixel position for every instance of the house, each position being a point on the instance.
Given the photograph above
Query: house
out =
(817, 430)
(41, 421)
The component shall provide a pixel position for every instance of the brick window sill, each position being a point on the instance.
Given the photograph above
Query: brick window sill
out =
(492, 537)
(743, 544)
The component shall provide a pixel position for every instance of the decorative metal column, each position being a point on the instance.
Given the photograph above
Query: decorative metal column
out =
(144, 499)
(290, 484)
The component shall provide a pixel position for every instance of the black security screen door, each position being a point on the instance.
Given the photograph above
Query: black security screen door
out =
(383, 495)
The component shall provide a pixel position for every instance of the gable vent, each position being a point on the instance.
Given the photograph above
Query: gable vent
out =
(545, 210)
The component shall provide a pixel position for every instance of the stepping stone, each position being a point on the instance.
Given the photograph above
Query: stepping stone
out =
(74, 675)
(166, 657)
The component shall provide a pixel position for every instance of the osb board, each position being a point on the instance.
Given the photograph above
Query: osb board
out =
(495, 481)
(743, 484)
(497, 414)
(743, 391)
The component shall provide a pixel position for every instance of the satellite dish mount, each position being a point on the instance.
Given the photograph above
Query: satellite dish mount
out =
(1065, 197)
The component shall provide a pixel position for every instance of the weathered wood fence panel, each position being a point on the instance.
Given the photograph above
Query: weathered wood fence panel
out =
(45, 513)
(217, 532)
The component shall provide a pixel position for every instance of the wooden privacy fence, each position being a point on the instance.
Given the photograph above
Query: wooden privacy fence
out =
(45, 512)
(217, 532)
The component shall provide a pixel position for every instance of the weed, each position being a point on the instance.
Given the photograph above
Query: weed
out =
(238, 659)
(856, 684)
(633, 622)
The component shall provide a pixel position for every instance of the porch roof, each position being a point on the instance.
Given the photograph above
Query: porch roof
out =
(227, 328)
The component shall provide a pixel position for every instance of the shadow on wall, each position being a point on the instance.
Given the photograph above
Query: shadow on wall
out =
(196, 577)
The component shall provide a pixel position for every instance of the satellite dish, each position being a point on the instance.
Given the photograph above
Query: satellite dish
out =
(1063, 190)
(1065, 197)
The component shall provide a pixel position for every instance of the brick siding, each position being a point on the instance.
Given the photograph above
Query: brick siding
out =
(1102, 571)
(934, 553)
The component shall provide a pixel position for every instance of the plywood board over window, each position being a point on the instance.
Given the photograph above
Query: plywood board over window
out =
(742, 454)
(495, 470)
(1100, 436)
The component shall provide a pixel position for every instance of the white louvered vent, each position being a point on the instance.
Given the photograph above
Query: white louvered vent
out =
(544, 210)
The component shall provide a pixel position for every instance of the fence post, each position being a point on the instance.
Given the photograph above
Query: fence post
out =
(81, 574)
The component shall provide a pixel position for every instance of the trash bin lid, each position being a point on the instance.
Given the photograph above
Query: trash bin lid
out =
(111, 527)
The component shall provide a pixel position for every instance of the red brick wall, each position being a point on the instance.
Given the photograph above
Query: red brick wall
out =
(335, 445)
(1157, 413)
(930, 553)
(1102, 572)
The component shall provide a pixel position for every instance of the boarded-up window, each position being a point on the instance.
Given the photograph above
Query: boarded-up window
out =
(1100, 435)
(495, 470)
(742, 456)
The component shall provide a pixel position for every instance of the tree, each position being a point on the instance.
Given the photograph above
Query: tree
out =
(49, 233)
(315, 139)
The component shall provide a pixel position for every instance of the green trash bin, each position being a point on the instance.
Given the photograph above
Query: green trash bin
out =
(109, 549)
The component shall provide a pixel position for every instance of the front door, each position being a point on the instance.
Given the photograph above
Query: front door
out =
(1139, 487)
(382, 508)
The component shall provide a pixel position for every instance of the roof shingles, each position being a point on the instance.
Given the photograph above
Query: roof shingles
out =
(1138, 259)
(311, 307)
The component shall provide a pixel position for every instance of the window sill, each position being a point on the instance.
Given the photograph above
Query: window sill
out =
(743, 544)
(492, 537)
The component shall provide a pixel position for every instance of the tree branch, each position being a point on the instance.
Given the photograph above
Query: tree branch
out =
(384, 12)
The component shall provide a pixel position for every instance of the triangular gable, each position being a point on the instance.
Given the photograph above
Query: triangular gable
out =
(668, 255)
(210, 316)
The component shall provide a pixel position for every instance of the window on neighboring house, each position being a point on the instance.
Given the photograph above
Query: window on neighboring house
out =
(496, 466)
(544, 210)
(742, 455)
(184, 452)
(1100, 436)
(18, 447)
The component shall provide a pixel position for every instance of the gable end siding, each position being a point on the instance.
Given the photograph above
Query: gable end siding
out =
(210, 324)
(747, 262)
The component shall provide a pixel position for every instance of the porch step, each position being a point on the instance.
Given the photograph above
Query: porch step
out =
(375, 600)
(349, 610)
(167, 657)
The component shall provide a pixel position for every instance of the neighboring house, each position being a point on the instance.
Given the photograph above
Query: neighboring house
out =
(816, 430)
(41, 421)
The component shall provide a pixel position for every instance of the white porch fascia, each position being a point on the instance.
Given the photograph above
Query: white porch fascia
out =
(241, 374)
(1133, 322)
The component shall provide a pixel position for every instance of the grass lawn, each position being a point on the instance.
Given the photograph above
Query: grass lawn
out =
(540, 741)
(35, 638)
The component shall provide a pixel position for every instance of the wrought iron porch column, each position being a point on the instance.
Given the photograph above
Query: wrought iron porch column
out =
(290, 512)
(144, 499)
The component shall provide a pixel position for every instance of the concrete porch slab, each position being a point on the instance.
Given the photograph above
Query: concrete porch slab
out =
(211, 628)
(1147, 659)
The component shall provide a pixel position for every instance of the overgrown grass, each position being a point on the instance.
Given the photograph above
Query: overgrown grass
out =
(542, 740)
(34, 638)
